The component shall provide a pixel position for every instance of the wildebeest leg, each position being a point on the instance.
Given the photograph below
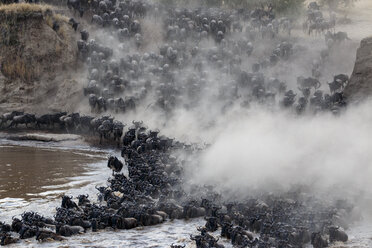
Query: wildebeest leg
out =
(100, 138)
(11, 124)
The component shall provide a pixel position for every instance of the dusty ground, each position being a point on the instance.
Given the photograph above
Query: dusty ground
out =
(60, 93)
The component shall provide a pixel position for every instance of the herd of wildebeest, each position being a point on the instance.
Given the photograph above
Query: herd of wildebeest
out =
(195, 42)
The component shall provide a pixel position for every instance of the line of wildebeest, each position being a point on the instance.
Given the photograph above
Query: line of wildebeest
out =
(153, 191)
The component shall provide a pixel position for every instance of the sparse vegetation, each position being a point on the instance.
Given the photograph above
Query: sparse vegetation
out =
(17, 68)
(17, 8)
(21, 9)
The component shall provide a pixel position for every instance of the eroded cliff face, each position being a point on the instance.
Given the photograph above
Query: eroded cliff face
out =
(30, 48)
(360, 85)
(38, 64)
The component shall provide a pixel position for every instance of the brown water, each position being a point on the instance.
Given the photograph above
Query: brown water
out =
(34, 175)
(27, 171)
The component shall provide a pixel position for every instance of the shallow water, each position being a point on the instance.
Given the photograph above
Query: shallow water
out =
(34, 175)
(27, 172)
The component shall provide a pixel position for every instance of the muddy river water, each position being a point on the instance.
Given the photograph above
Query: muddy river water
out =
(34, 175)
(27, 172)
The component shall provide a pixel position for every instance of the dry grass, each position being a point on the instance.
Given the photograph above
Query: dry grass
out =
(22, 8)
(16, 21)
(59, 48)
(17, 68)
(61, 18)
(46, 10)
(18, 8)
(49, 19)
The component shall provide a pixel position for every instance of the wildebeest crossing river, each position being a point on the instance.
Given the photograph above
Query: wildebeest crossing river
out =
(262, 97)
(35, 174)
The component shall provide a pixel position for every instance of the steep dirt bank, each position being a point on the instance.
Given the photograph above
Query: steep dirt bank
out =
(360, 85)
(37, 63)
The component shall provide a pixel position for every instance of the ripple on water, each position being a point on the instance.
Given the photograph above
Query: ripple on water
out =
(40, 175)
(9, 202)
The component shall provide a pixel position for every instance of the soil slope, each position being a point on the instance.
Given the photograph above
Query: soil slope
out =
(360, 85)
(37, 63)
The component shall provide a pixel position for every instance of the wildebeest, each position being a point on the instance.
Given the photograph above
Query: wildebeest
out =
(25, 119)
(118, 131)
(76, 5)
(339, 82)
(318, 241)
(4, 118)
(84, 35)
(336, 234)
(7, 239)
(114, 164)
(49, 119)
(46, 235)
(67, 230)
(308, 83)
(73, 23)
(67, 202)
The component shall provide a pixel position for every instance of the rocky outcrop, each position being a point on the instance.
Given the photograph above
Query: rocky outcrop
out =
(360, 85)
(29, 46)
(38, 60)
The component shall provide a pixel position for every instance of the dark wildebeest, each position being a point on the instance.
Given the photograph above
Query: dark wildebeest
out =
(114, 164)
(8, 117)
(49, 119)
(22, 119)
(335, 234)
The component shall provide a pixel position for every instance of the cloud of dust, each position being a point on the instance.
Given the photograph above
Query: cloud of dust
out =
(265, 150)
(263, 147)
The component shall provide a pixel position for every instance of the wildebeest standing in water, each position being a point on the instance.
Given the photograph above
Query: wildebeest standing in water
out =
(114, 164)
